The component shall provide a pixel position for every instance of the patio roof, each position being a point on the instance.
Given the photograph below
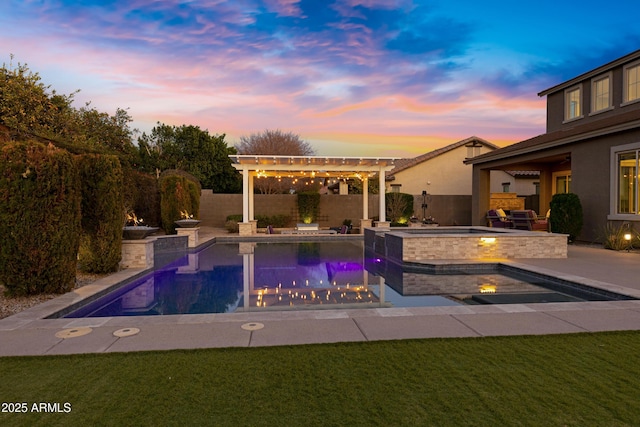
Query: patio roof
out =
(331, 166)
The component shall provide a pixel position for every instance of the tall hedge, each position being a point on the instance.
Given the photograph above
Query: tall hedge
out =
(39, 219)
(141, 195)
(308, 206)
(102, 213)
(177, 194)
(566, 215)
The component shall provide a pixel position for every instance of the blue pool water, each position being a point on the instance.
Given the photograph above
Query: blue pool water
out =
(241, 277)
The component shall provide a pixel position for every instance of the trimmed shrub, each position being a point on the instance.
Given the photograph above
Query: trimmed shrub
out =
(308, 207)
(39, 219)
(566, 215)
(277, 221)
(102, 208)
(142, 196)
(177, 194)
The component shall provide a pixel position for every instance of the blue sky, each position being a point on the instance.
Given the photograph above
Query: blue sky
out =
(352, 77)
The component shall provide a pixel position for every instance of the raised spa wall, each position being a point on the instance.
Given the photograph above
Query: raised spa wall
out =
(466, 243)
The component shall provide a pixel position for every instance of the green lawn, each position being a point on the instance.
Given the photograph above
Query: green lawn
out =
(561, 380)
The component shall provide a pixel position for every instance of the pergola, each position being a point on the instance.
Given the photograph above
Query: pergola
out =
(342, 168)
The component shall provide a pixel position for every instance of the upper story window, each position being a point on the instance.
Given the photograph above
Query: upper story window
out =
(632, 82)
(601, 94)
(572, 98)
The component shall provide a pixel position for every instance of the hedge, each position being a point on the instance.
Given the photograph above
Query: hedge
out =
(177, 194)
(566, 215)
(39, 219)
(308, 206)
(142, 196)
(102, 213)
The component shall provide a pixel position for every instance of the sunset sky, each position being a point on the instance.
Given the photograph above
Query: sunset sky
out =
(352, 77)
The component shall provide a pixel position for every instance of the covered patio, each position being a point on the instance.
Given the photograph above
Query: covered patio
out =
(318, 167)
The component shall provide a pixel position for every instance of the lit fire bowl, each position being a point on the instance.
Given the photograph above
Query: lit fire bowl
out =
(137, 232)
(187, 223)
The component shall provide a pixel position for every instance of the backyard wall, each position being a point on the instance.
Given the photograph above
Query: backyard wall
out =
(214, 208)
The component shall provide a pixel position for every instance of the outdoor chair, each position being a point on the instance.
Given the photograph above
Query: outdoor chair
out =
(529, 220)
(498, 219)
(270, 229)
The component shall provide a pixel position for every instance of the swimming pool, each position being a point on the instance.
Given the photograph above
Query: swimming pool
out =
(272, 276)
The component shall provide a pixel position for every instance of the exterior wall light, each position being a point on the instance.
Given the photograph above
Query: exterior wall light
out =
(488, 239)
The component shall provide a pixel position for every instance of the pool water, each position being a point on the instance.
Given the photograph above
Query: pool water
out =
(245, 277)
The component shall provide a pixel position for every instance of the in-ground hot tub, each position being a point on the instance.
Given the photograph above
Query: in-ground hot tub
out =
(422, 244)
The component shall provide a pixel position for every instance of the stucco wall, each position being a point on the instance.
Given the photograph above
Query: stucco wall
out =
(445, 174)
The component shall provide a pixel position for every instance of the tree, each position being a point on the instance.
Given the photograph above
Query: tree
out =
(193, 150)
(28, 107)
(277, 143)
(274, 142)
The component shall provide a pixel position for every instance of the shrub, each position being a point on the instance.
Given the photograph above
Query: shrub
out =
(614, 236)
(39, 219)
(278, 221)
(566, 215)
(399, 207)
(308, 206)
(232, 226)
(177, 194)
(141, 195)
(102, 207)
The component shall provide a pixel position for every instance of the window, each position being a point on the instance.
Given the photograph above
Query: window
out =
(561, 182)
(601, 94)
(632, 82)
(624, 193)
(572, 108)
(628, 183)
(505, 187)
(395, 188)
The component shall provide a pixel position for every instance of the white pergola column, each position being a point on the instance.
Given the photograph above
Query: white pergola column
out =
(365, 198)
(245, 194)
(383, 208)
(245, 228)
(251, 198)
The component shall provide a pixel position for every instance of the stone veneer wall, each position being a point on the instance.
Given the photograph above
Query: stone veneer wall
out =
(516, 245)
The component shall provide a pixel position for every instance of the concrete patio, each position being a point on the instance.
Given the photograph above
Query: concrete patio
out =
(27, 333)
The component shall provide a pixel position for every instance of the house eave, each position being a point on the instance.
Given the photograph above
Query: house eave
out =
(497, 155)
(589, 74)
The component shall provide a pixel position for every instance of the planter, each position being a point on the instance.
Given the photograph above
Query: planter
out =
(137, 232)
(187, 223)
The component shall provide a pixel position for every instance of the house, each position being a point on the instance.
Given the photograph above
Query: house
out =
(438, 172)
(591, 148)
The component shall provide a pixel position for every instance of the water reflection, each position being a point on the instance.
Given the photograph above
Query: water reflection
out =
(251, 277)
(246, 277)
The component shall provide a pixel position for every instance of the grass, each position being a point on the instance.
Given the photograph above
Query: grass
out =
(554, 380)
